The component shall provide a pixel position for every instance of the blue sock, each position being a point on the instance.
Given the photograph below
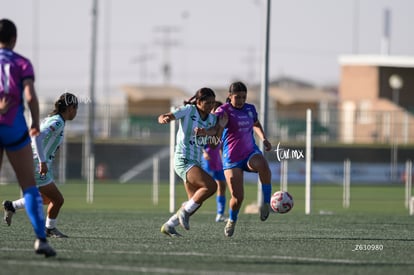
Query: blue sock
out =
(267, 192)
(34, 210)
(221, 204)
(233, 214)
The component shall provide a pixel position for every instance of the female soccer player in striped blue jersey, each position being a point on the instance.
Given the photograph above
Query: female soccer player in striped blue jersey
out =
(197, 128)
(240, 152)
(44, 147)
(16, 86)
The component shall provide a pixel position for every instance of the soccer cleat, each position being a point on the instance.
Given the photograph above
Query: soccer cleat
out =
(264, 211)
(221, 218)
(55, 233)
(42, 247)
(169, 231)
(184, 218)
(9, 211)
(229, 228)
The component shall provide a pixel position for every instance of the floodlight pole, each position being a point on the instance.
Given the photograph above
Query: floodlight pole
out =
(89, 160)
(264, 89)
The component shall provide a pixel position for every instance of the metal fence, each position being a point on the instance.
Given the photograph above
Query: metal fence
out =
(114, 127)
(328, 126)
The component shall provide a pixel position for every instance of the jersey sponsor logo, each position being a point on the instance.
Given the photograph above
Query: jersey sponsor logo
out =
(243, 123)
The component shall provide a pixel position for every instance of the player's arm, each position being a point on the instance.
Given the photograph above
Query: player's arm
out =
(33, 103)
(166, 118)
(217, 129)
(258, 129)
(38, 147)
(51, 129)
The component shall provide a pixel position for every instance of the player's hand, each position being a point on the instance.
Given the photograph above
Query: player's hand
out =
(200, 132)
(206, 156)
(223, 119)
(4, 105)
(164, 119)
(34, 130)
(43, 169)
(267, 145)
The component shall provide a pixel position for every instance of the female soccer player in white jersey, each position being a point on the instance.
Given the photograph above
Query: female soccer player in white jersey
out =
(197, 128)
(44, 147)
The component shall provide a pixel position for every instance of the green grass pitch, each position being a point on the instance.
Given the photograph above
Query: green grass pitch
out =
(119, 233)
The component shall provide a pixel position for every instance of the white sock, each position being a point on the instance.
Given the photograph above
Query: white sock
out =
(173, 221)
(50, 223)
(191, 206)
(18, 204)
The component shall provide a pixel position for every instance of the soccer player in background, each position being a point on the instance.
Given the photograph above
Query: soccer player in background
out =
(240, 152)
(45, 146)
(212, 164)
(17, 85)
(196, 124)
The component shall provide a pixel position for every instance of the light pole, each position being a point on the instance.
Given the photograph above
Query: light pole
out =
(396, 83)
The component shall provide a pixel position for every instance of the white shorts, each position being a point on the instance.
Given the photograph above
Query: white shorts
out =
(42, 180)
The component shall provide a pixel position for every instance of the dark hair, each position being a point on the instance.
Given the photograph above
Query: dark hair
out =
(64, 101)
(200, 95)
(8, 31)
(236, 87)
(217, 104)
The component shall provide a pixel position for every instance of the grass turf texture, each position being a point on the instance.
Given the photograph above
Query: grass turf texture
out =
(119, 234)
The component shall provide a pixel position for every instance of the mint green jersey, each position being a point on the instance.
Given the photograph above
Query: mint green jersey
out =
(188, 146)
(46, 144)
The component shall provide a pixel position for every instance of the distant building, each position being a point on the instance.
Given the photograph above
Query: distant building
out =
(152, 100)
(146, 103)
(371, 110)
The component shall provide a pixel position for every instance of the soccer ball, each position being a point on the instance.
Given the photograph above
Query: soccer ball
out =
(281, 202)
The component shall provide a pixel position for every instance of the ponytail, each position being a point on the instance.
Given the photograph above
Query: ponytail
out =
(64, 101)
(201, 95)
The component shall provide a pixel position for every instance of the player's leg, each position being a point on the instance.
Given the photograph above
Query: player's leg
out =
(202, 186)
(51, 193)
(9, 210)
(221, 196)
(234, 178)
(22, 162)
(259, 164)
(202, 183)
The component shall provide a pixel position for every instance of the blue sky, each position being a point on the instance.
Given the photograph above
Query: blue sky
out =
(213, 42)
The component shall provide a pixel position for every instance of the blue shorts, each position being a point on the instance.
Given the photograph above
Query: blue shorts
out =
(243, 163)
(13, 138)
(215, 174)
(218, 175)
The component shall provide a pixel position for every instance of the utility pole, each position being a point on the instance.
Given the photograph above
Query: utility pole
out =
(142, 60)
(264, 91)
(89, 159)
(166, 42)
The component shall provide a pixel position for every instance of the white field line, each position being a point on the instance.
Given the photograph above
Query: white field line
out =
(120, 268)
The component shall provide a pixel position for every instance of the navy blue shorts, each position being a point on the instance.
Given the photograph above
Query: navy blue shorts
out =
(13, 138)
